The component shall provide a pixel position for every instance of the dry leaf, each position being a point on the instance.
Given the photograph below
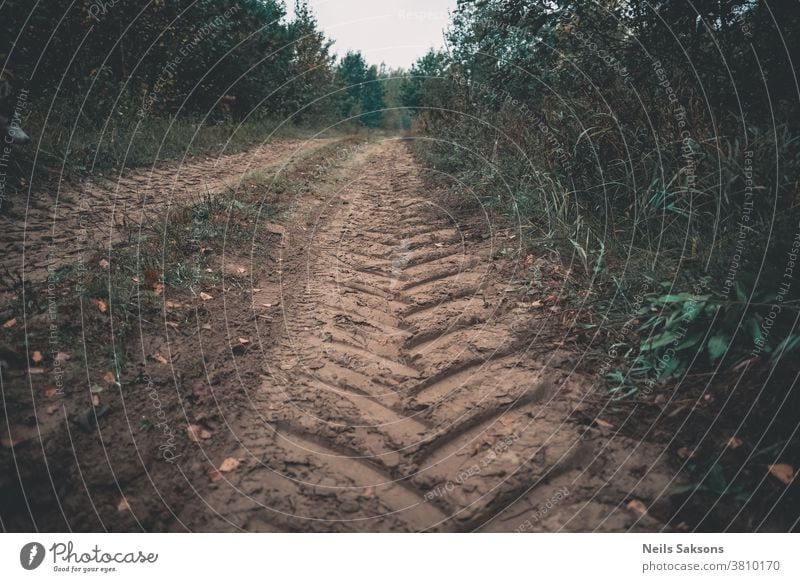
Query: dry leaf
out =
(505, 420)
(109, 378)
(637, 506)
(10, 323)
(205, 296)
(244, 341)
(229, 464)
(123, 505)
(104, 264)
(102, 306)
(536, 304)
(603, 423)
(151, 276)
(159, 358)
(19, 434)
(36, 357)
(172, 305)
(783, 472)
(241, 270)
(197, 433)
(158, 288)
(734, 442)
(214, 475)
(50, 391)
(206, 326)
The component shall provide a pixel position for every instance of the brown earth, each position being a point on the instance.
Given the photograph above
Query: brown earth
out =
(379, 369)
(55, 226)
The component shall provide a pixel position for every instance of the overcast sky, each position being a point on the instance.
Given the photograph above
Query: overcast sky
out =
(396, 32)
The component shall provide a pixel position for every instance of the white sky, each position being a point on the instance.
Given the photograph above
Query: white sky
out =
(396, 32)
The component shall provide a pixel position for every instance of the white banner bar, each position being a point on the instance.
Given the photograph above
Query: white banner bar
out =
(401, 557)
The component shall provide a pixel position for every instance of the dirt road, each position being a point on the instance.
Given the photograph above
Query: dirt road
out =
(377, 366)
(408, 393)
(51, 229)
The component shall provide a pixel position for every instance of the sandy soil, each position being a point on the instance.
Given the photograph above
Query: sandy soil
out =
(376, 371)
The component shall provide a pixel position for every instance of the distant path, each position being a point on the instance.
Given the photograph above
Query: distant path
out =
(57, 226)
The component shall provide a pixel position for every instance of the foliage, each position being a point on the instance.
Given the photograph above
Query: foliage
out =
(634, 140)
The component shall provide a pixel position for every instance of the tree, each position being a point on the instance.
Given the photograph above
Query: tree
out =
(312, 66)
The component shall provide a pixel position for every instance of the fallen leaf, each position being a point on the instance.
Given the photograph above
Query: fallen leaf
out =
(62, 357)
(159, 358)
(783, 472)
(10, 323)
(205, 296)
(123, 505)
(102, 306)
(214, 475)
(158, 288)
(151, 276)
(505, 420)
(603, 423)
(109, 378)
(50, 391)
(104, 264)
(172, 305)
(172, 324)
(229, 464)
(206, 326)
(536, 304)
(637, 506)
(197, 433)
(36, 357)
(19, 434)
(734, 442)
(241, 270)
(244, 341)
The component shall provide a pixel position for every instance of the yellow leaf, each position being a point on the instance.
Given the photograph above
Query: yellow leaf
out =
(102, 306)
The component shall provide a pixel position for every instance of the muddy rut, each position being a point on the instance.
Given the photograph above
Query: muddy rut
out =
(406, 393)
